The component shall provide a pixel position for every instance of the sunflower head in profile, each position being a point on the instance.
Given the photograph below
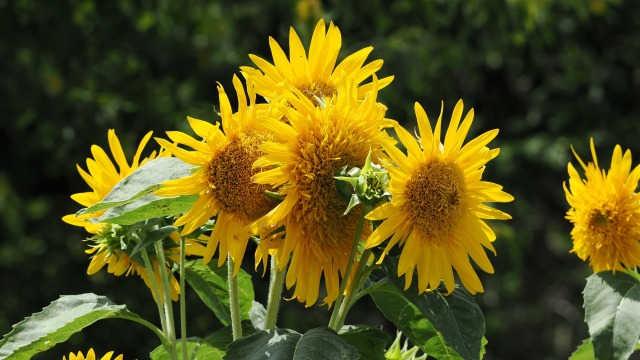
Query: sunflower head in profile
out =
(223, 177)
(605, 212)
(91, 355)
(315, 74)
(437, 209)
(110, 244)
(318, 142)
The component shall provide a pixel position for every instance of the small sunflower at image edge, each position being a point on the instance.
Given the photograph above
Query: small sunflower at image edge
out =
(106, 246)
(605, 212)
(315, 75)
(223, 177)
(91, 355)
(320, 141)
(437, 209)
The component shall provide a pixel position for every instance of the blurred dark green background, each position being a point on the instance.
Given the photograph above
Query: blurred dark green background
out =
(546, 73)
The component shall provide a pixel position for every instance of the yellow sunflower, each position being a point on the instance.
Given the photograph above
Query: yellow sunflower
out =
(315, 74)
(91, 355)
(319, 141)
(106, 249)
(223, 180)
(437, 209)
(605, 212)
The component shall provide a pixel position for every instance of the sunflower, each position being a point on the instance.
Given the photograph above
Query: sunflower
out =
(107, 247)
(605, 212)
(319, 142)
(315, 75)
(437, 209)
(91, 356)
(223, 179)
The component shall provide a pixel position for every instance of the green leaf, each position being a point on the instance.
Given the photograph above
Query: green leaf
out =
(214, 346)
(316, 344)
(143, 181)
(210, 283)
(584, 351)
(456, 318)
(152, 237)
(193, 344)
(371, 342)
(147, 207)
(612, 312)
(58, 321)
(323, 343)
(408, 318)
(275, 343)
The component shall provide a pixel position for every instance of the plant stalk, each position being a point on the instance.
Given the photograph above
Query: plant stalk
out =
(355, 286)
(234, 303)
(333, 322)
(154, 288)
(276, 282)
(183, 302)
(167, 304)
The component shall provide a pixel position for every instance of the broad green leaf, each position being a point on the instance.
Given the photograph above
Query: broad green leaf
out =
(265, 344)
(371, 342)
(612, 312)
(58, 321)
(456, 317)
(210, 283)
(214, 346)
(193, 344)
(147, 207)
(408, 318)
(151, 237)
(323, 343)
(143, 181)
(584, 351)
(316, 344)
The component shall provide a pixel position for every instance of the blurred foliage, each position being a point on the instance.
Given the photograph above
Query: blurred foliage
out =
(547, 74)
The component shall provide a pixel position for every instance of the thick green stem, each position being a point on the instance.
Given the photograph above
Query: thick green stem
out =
(234, 303)
(167, 304)
(355, 286)
(183, 302)
(333, 322)
(155, 290)
(276, 282)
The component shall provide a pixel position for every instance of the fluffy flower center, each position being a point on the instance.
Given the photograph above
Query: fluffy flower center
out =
(230, 175)
(321, 207)
(320, 90)
(606, 225)
(435, 198)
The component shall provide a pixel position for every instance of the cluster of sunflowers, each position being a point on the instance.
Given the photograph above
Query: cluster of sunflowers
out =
(318, 118)
(314, 176)
(308, 174)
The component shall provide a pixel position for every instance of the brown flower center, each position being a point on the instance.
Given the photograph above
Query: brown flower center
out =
(435, 199)
(230, 176)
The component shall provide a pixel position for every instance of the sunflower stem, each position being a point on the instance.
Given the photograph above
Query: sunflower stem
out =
(276, 282)
(167, 304)
(156, 297)
(234, 303)
(335, 315)
(183, 303)
(349, 298)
